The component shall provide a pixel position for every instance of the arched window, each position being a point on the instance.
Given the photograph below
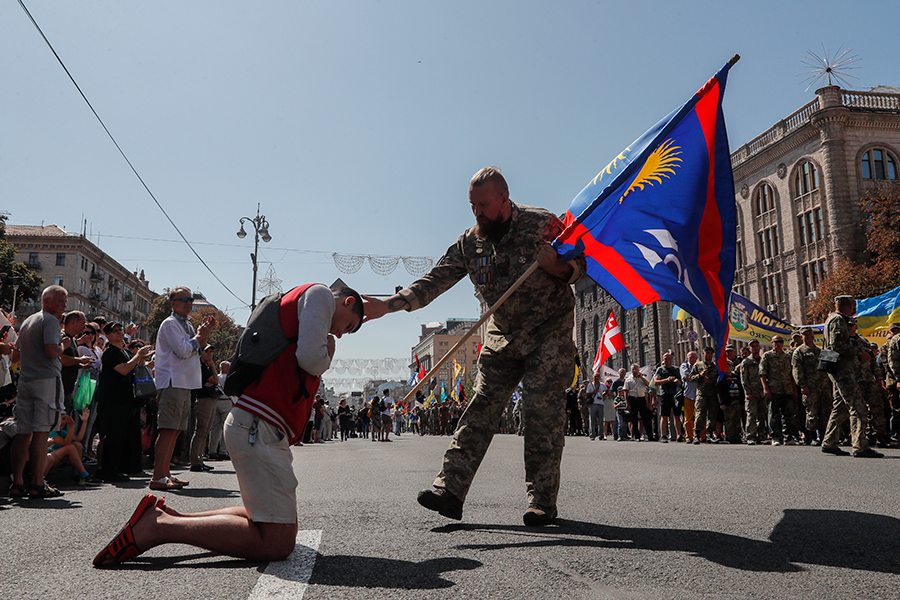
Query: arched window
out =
(878, 164)
(807, 179)
(596, 330)
(763, 200)
(584, 333)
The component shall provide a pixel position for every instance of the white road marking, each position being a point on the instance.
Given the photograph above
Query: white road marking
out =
(288, 578)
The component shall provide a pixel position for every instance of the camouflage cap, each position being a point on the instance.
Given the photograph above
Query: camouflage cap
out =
(805, 329)
(895, 326)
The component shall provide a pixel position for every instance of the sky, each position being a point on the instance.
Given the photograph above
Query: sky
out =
(356, 126)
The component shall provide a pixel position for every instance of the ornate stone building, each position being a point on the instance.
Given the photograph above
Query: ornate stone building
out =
(97, 284)
(798, 188)
(437, 339)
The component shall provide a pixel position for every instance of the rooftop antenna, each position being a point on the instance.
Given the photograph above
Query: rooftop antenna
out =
(828, 67)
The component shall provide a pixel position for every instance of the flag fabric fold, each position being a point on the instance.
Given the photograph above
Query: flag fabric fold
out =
(658, 222)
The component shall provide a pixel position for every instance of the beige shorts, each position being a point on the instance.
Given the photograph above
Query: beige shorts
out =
(38, 405)
(174, 408)
(264, 469)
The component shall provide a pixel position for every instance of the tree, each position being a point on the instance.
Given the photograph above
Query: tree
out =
(29, 282)
(877, 276)
(224, 336)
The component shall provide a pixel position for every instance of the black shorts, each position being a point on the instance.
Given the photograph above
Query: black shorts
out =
(667, 405)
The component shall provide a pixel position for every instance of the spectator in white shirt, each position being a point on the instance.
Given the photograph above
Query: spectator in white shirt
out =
(177, 373)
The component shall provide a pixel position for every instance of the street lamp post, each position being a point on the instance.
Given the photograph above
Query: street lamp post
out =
(261, 229)
(14, 282)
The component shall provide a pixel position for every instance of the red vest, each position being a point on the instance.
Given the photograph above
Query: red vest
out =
(284, 394)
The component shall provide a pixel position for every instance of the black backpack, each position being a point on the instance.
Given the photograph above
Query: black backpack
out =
(260, 343)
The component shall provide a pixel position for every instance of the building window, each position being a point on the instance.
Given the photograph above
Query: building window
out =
(596, 330)
(813, 273)
(811, 226)
(581, 298)
(878, 164)
(771, 290)
(594, 293)
(33, 258)
(645, 352)
(763, 200)
(60, 259)
(584, 341)
(807, 179)
(58, 281)
(768, 242)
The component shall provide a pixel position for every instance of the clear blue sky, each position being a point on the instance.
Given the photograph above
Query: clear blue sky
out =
(357, 125)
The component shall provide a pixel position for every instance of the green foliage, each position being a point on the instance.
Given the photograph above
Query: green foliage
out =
(224, 336)
(31, 284)
(159, 310)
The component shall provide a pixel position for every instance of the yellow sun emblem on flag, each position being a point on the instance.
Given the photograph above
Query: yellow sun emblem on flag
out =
(612, 165)
(661, 163)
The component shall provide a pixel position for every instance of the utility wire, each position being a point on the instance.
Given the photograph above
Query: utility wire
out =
(141, 179)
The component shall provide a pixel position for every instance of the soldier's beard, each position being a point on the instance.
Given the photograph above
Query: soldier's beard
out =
(492, 230)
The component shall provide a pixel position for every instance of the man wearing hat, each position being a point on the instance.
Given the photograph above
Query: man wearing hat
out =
(840, 336)
(778, 388)
(815, 387)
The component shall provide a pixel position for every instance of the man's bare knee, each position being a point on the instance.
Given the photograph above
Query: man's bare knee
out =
(278, 540)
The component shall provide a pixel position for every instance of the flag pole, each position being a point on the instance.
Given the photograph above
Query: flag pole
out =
(471, 331)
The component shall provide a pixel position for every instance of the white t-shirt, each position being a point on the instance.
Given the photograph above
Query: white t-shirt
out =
(596, 393)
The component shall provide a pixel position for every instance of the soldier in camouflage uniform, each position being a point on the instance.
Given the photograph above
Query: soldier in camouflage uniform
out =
(778, 387)
(840, 336)
(872, 386)
(705, 374)
(815, 387)
(890, 360)
(528, 339)
(754, 398)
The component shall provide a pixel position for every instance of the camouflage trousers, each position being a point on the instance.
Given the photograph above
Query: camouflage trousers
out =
(781, 417)
(733, 422)
(756, 408)
(705, 412)
(877, 428)
(848, 403)
(545, 372)
(817, 404)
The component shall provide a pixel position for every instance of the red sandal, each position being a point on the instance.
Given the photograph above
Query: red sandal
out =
(122, 547)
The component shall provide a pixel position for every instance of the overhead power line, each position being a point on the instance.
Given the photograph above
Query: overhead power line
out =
(119, 148)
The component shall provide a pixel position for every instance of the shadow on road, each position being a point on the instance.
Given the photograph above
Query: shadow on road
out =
(833, 538)
(372, 571)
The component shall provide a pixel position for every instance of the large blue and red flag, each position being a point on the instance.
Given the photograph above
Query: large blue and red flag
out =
(658, 222)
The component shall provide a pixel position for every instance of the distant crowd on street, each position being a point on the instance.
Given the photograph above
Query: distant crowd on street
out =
(788, 395)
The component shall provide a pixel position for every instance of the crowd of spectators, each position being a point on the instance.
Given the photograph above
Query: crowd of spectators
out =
(69, 403)
(777, 397)
(68, 400)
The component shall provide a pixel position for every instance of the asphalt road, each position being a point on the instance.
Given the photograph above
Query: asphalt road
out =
(637, 520)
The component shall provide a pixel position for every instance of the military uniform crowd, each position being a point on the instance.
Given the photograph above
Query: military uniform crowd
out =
(785, 396)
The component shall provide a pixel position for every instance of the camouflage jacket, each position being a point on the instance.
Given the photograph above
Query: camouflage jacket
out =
(706, 386)
(750, 377)
(837, 338)
(892, 357)
(542, 305)
(777, 371)
(805, 367)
